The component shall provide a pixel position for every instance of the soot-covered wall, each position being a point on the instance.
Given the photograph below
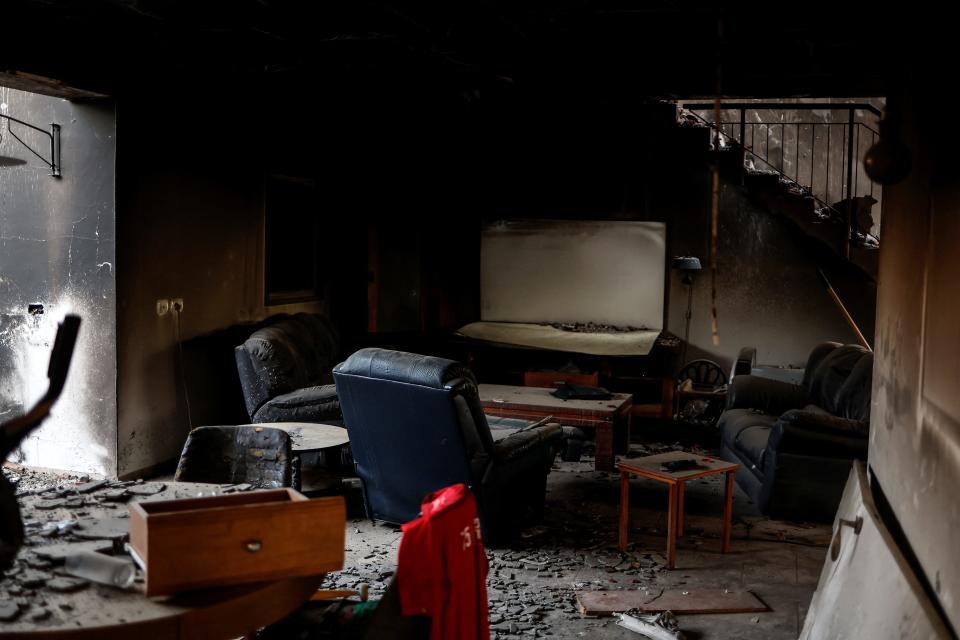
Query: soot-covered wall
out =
(190, 225)
(915, 428)
(57, 250)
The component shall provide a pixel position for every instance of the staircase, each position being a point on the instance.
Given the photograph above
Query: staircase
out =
(788, 175)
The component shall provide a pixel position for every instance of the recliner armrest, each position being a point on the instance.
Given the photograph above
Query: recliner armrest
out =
(745, 362)
(820, 434)
(772, 397)
(825, 422)
(517, 444)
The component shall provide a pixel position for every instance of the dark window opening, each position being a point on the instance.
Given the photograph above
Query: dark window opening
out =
(290, 214)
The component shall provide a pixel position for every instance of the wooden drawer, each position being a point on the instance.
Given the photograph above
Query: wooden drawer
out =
(232, 539)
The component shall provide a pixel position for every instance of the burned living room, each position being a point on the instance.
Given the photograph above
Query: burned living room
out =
(478, 321)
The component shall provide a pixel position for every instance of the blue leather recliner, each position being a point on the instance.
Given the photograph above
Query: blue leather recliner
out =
(796, 443)
(416, 425)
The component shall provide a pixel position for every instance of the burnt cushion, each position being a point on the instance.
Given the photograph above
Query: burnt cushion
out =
(310, 404)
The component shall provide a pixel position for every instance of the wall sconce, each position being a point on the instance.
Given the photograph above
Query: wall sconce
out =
(53, 134)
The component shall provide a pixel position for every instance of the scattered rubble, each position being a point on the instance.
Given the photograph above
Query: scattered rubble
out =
(9, 611)
(661, 626)
(592, 327)
(64, 513)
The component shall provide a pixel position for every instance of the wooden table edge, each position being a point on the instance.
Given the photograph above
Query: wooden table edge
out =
(667, 479)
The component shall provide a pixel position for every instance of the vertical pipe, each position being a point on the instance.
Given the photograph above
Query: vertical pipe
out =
(783, 144)
(829, 129)
(796, 164)
(743, 126)
(843, 166)
(856, 175)
(813, 147)
(849, 212)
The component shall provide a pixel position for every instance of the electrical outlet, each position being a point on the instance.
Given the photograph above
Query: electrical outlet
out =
(176, 305)
(163, 307)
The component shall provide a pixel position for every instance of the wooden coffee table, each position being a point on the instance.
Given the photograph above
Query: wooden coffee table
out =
(609, 418)
(651, 467)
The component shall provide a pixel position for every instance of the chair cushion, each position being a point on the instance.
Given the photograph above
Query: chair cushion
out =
(310, 404)
(746, 431)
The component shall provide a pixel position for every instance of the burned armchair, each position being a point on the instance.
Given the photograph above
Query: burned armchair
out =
(258, 456)
(416, 425)
(285, 368)
(796, 443)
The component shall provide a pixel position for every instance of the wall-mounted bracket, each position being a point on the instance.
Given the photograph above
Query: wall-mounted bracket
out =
(53, 134)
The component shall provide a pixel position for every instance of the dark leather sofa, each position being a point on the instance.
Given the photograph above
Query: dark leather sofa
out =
(796, 443)
(285, 370)
(416, 425)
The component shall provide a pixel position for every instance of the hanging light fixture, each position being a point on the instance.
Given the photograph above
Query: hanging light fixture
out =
(53, 134)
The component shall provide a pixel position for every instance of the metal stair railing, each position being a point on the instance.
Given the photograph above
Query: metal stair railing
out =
(755, 139)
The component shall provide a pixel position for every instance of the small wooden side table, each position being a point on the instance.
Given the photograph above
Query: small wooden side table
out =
(309, 437)
(652, 467)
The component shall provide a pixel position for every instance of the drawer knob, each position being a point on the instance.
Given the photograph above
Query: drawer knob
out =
(253, 546)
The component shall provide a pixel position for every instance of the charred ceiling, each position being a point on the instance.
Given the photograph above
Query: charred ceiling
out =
(656, 48)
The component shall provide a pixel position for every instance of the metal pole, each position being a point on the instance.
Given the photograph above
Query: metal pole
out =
(796, 164)
(843, 310)
(813, 147)
(829, 129)
(783, 144)
(743, 127)
(849, 212)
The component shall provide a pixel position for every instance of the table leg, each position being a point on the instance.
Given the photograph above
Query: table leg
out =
(668, 408)
(727, 513)
(624, 508)
(605, 456)
(680, 509)
(672, 527)
(622, 442)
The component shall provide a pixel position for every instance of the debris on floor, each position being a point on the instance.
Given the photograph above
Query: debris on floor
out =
(605, 603)
(533, 583)
(660, 626)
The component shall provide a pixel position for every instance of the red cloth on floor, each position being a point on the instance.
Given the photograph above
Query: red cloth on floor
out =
(442, 568)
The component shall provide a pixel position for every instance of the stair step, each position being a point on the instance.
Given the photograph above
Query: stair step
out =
(692, 145)
(761, 180)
